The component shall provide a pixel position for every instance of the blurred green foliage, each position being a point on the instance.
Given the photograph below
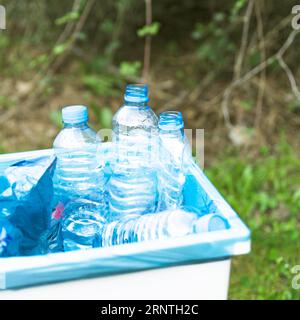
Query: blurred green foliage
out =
(215, 48)
(265, 192)
(149, 30)
(56, 118)
(130, 68)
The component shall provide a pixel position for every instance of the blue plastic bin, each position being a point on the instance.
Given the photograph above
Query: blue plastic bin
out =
(193, 267)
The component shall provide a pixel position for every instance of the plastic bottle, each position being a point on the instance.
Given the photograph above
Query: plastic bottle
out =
(172, 144)
(211, 222)
(82, 225)
(79, 172)
(162, 225)
(133, 185)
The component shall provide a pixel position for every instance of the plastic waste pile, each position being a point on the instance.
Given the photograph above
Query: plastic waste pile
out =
(89, 201)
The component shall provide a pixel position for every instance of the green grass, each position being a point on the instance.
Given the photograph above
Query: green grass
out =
(265, 191)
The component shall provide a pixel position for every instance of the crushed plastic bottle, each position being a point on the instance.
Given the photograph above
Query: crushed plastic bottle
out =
(162, 225)
(82, 225)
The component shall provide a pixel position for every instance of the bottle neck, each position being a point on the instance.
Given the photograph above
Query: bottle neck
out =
(81, 125)
(136, 104)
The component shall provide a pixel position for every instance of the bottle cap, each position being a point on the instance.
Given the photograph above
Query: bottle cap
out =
(180, 223)
(171, 120)
(136, 93)
(74, 114)
(211, 222)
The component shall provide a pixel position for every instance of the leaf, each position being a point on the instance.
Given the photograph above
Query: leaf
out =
(112, 47)
(246, 104)
(99, 64)
(238, 5)
(4, 42)
(105, 117)
(101, 84)
(198, 32)
(130, 68)
(219, 16)
(70, 16)
(149, 30)
(107, 26)
(55, 117)
(60, 48)
(264, 150)
(296, 195)
(254, 59)
(39, 60)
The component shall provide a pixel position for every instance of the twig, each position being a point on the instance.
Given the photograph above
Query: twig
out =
(261, 87)
(8, 114)
(174, 103)
(194, 94)
(77, 29)
(285, 67)
(122, 7)
(244, 41)
(274, 32)
(161, 94)
(148, 39)
(61, 39)
(290, 76)
(69, 26)
(256, 70)
(39, 78)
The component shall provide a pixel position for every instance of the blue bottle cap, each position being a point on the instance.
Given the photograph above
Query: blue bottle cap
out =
(211, 222)
(74, 114)
(171, 120)
(218, 223)
(136, 93)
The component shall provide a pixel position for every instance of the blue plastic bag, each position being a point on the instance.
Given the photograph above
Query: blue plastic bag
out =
(26, 192)
(10, 239)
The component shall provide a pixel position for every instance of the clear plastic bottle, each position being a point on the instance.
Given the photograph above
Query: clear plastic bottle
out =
(79, 173)
(211, 222)
(133, 184)
(162, 225)
(172, 145)
(82, 225)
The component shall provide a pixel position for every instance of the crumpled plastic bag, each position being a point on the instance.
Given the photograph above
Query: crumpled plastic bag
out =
(26, 191)
(51, 240)
(10, 239)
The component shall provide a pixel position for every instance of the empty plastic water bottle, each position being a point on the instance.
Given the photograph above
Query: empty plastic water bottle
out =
(211, 222)
(162, 225)
(172, 144)
(79, 172)
(82, 225)
(133, 184)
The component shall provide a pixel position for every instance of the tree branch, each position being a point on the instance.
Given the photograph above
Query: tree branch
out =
(262, 81)
(148, 39)
(244, 41)
(256, 70)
